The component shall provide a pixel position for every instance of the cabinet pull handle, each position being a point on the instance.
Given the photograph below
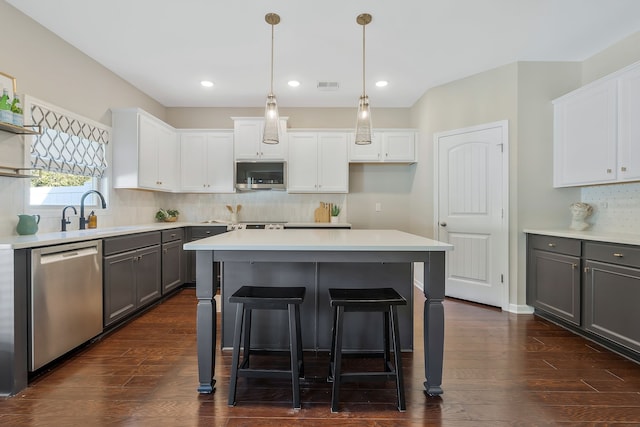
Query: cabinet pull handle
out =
(618, 255)
(551, 245)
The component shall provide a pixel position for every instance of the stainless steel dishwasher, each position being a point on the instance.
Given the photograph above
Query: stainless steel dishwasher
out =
(65, 299)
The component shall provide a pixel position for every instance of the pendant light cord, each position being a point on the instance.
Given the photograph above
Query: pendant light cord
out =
(363, 62)
(272, 38)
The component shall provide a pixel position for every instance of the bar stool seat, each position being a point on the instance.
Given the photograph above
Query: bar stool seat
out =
(383, 300)
(251, 298)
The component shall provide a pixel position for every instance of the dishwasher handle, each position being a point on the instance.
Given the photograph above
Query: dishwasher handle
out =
(67, 255)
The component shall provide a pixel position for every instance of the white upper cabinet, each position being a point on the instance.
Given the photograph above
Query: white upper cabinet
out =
(145, 150)
(318, 162)
(248, 140)
(629, 130)
(391, 146)
(596, 138)
(206, 161)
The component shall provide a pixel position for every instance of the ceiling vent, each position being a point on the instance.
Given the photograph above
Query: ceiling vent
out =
(326, 86)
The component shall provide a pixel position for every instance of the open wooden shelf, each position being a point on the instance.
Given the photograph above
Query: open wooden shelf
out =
(21, 130)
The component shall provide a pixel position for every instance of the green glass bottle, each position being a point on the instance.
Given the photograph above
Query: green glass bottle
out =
(16, 109)
(5, 108)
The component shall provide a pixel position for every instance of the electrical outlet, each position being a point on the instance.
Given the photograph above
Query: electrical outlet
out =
(378, 206)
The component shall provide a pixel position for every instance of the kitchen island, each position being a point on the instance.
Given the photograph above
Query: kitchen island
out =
(320, 259)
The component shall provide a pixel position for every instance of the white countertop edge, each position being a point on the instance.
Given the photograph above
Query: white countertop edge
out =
(599, 236)
(71, 236)
(318, 240)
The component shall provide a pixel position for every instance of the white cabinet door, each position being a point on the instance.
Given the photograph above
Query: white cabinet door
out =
(148, 149)
(367, 153)
(386, 146)
(167, 159)
(248, 141)
(157, 154)
(585, 136)
(399, 146)
(193, 162)
(206, 162)
(333, 162)
(629, 122)
(302, 168)
(220, 162)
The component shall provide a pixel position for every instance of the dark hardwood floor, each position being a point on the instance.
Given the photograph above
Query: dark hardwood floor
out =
(500, 369)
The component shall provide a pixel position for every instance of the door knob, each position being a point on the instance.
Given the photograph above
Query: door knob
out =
(443, 224)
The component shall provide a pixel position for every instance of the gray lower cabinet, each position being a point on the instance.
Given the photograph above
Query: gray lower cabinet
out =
(132, 274)
(612, 292)
(172, 259)
(590, 287)
(554, 268)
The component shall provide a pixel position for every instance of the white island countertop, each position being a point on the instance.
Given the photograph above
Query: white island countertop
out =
(318, 240)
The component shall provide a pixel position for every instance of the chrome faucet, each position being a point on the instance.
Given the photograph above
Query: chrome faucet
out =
(83, 220)
(66, 220)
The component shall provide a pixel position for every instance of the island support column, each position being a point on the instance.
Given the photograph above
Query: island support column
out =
(434, 282)
(206, 320)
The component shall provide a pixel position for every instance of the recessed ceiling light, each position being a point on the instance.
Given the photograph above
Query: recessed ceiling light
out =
(294, 83)
(382, 83)
(206, 83)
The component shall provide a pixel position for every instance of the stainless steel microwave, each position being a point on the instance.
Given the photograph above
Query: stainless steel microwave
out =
(261, 175)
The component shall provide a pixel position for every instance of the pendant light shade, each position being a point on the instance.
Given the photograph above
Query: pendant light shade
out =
(271, 116)
(363, 121)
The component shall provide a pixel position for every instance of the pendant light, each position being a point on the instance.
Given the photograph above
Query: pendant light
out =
(271, 117)
(363, 122)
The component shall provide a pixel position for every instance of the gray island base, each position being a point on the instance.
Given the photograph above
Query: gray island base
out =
(318, 260)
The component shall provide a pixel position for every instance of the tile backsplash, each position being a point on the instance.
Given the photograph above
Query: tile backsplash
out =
(616, 208)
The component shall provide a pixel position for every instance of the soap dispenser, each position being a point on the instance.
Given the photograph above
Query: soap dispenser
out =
(93, 220)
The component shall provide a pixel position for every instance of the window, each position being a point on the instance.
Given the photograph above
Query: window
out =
(71, 152)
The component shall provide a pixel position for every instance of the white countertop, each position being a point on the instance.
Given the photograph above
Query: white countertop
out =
(61, 237)
(600, 236)
(318, 240)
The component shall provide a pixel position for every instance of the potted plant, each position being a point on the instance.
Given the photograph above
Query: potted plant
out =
(168, 215)
(335, 211)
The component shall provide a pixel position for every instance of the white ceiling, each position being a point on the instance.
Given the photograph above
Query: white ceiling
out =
(165, 48)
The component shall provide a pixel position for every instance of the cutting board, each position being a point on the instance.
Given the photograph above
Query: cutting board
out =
(322, 213)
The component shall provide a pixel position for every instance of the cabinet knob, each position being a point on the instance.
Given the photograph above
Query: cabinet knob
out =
(551, 245)
(574, 266)
(586, 269)
(618, 255)
(609, 170)
(623, 169)
(164, 251)
(208, 232)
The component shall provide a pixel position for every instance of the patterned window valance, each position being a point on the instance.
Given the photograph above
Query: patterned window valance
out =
(69, 143)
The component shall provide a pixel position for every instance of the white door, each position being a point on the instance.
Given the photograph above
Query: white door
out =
(472, 203)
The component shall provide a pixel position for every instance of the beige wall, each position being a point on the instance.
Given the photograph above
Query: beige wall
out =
(615, 57)
(307, 118)
(520, 93)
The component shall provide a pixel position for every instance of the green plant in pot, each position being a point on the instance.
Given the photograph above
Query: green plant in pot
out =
(335, 211)
(167, 215)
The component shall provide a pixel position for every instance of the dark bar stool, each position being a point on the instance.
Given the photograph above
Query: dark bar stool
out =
(382, 300)
(251, 298)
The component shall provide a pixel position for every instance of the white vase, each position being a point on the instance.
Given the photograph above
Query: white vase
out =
(334, 220)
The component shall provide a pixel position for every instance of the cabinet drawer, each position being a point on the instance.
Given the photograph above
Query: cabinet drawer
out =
(202, 232)
(172, 234)
(114, 245)
(612, 253)
(560, 245)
